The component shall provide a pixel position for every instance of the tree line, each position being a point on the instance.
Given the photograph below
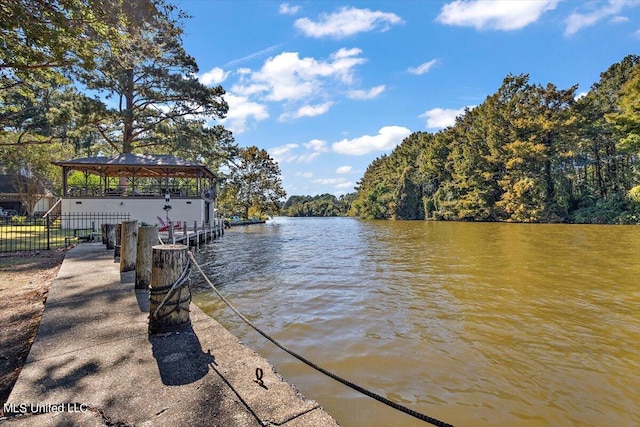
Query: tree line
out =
(528, 153)
(80, 78)
(320, 205)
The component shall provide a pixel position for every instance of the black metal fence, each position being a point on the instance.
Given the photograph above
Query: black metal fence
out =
(22, 234)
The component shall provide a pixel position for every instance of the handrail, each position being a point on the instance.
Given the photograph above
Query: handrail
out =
(53, 207)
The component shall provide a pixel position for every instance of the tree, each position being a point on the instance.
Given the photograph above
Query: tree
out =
(432, 170)
(52, 36)
(322, 205)
(255, 183)
(42, 44)
(390, 185)
(153, 80)
(33, 173)
(375, 197)
(627, 119)
(606, 163)
(533, 140)
(528, 153)
(213, 146)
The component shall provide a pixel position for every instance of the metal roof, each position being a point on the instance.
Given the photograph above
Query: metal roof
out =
(139, 165)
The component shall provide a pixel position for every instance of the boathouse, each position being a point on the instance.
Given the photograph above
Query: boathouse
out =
(150, 188)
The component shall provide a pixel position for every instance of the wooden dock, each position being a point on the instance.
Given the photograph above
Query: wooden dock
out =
(193, 237)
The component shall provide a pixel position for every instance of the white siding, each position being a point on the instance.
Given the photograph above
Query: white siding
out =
(144, 210)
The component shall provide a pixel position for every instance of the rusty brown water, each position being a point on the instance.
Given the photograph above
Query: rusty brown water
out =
(476, 324)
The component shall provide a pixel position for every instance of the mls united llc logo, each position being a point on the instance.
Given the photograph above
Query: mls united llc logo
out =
(43, 408)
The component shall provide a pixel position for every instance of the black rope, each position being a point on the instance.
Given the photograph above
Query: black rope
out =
(362, 390)
(180, 282)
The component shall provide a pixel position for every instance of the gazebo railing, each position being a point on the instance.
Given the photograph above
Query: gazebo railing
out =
(155, 191)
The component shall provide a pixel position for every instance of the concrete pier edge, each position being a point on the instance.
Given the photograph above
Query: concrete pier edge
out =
(94, 364)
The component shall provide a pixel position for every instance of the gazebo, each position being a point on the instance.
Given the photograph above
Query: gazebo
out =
(149, 188)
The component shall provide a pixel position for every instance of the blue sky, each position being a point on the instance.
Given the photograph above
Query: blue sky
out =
(327, 86)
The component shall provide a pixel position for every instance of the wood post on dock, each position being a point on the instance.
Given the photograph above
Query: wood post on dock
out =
(169, 293)
(128, 245)
(147, 239)
(118, 240)
(109, 231)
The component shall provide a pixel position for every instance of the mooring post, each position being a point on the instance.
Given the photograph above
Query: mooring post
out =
(110, 232)
(117, 232)
(147, 238)
(128, 245)
(169, 293)
(195, 234)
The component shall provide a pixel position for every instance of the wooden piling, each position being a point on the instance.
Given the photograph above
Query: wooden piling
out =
(195, 234)
(110, 232)
(117, 232)
(128, 245)
(169, 295)
(147, 239)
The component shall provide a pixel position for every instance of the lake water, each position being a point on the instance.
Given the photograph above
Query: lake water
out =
(475, 324)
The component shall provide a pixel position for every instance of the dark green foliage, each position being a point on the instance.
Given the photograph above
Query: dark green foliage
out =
(528, 153)
(322, 205)
(129, 54)
(254, 185)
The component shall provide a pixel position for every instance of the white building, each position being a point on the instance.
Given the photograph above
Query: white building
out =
(152, 189)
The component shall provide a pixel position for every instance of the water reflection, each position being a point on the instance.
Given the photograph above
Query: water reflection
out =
(475, 324)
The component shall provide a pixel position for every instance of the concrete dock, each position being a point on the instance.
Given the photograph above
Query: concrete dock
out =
(94, 364)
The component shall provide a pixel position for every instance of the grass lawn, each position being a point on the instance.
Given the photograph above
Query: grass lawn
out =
(14, 238)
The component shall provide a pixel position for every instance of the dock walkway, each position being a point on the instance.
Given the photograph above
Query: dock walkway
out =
(94, 364)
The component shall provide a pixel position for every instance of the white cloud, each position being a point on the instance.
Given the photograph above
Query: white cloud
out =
(307, 111)
(241, 111)
(305, 86)
(287, 9)
(347, 21)
(619, 19)
(337, 182)
(344, 60)
(422, 68)
(283, 153)
(317, 145)
(439, 118)
(494, 14)
(215, 76)
(307, 158)
(344, 169)
(581, 95)
(387, 138)
(366, 94)
(287, 77)
(576, 21)
(304, 174)
(288, 153)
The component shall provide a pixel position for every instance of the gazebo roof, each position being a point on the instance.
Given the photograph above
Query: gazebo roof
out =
(139, 165)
